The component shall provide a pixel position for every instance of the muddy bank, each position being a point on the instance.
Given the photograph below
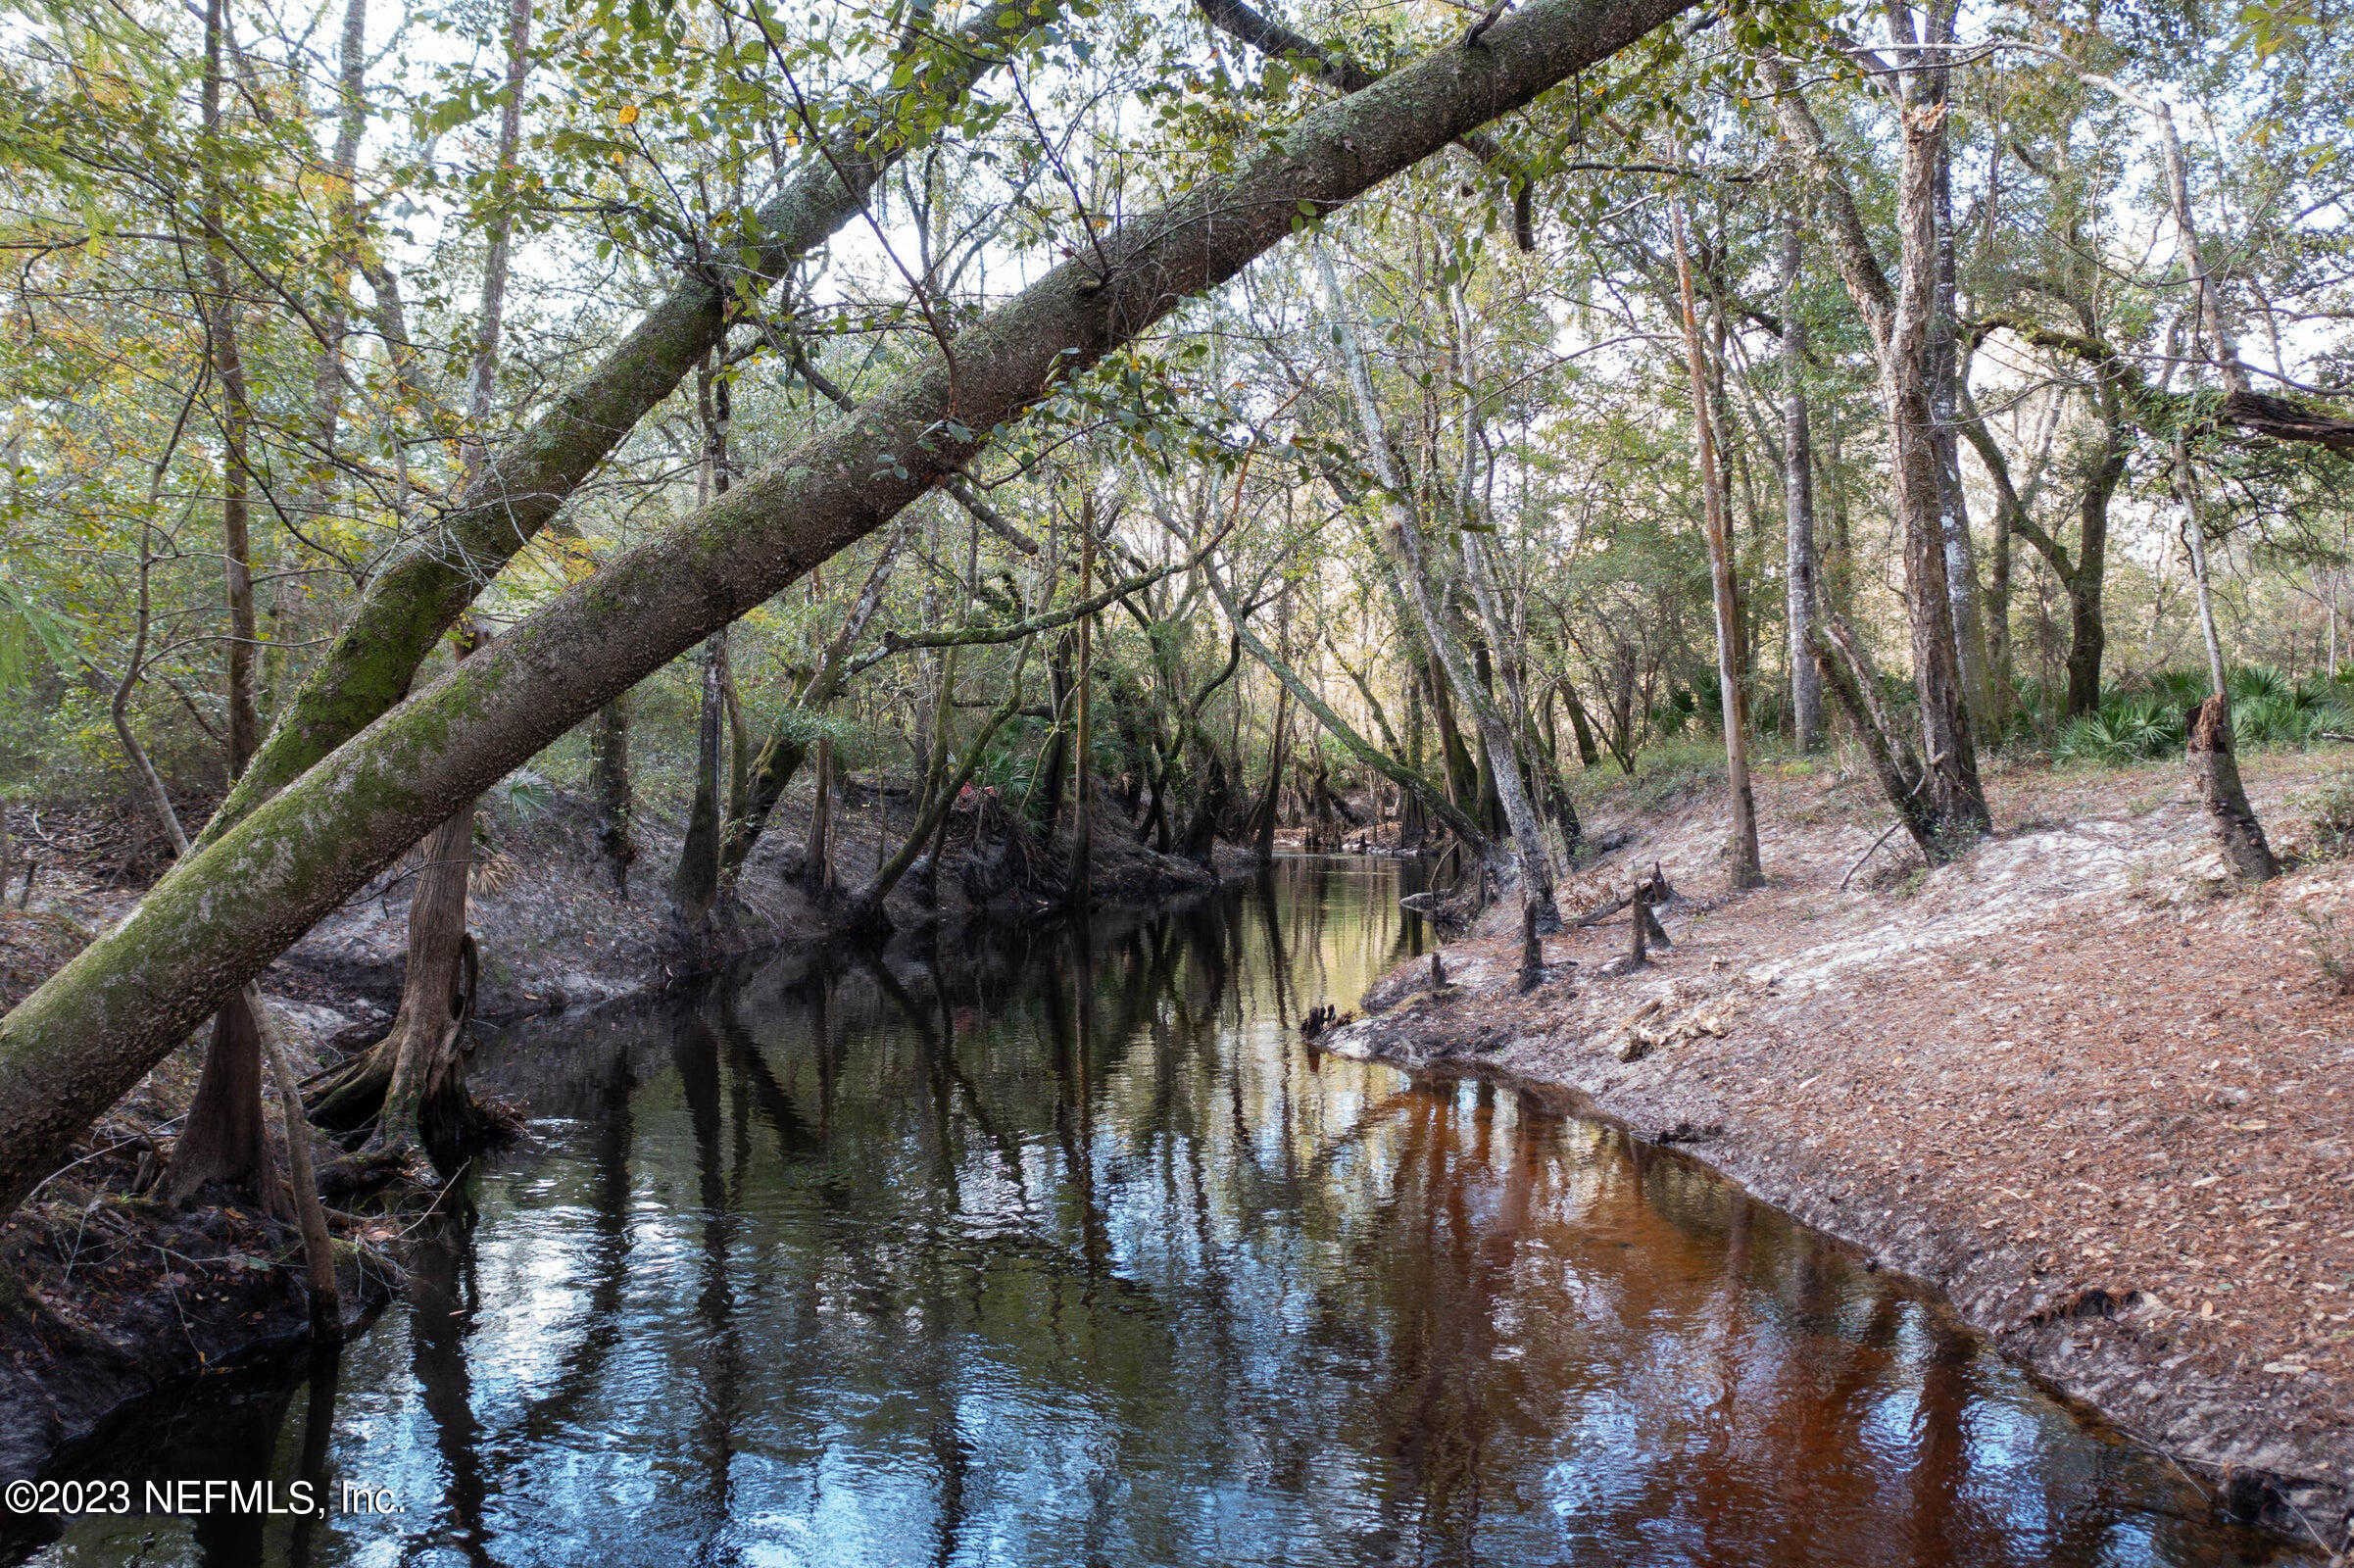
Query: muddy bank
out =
(2077, 1083)
(113, 1300)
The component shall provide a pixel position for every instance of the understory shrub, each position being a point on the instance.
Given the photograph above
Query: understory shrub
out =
(2147, 717)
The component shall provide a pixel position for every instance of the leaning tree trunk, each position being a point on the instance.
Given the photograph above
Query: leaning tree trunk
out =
(88, 1033)
(2217, 773)
(2213, 765)
(1848, 672)
(1412, 570)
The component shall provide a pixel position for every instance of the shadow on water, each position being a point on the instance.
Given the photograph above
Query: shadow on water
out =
(1060, 1248)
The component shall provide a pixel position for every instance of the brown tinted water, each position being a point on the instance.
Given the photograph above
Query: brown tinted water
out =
(1065, 1252)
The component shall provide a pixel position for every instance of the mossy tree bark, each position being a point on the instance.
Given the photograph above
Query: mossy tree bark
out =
(87, 1034)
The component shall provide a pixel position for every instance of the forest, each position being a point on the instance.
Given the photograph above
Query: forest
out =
(511, 507)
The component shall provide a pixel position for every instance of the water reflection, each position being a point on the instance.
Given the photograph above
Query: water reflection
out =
(1061, 1251)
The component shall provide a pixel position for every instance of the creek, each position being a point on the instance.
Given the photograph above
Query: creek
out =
(1062, 1249)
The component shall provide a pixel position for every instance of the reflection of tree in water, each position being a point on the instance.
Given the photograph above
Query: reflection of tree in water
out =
(319, 1434)
(696, 1053)
(444, 1296)
(603, 1321)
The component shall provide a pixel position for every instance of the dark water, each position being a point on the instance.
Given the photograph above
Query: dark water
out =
(1076, 1257)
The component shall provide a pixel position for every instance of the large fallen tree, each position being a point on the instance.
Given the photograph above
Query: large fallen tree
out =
(85, 1037)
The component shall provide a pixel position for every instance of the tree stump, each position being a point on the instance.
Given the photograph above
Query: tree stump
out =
(1531, 950)
(2217, 772)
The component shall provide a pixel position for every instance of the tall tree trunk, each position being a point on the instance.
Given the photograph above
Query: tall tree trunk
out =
(1263, 816)
(695, 883)
(1413, 823)
(1797, 504)
(88, 1033)
(1900, 319)
(1083, 792)
(1946, 370)
(483, 378)
(414, 1078)
(319, 493)
(1743, 869)
(2088, 626)
(222, 1138)
(1951, 750)
(616, 797)
(817, 854)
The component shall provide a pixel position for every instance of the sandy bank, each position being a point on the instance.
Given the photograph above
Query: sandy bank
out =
(2077, 1082)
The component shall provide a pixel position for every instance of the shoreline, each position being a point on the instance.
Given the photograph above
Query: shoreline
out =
(1911, 1070)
